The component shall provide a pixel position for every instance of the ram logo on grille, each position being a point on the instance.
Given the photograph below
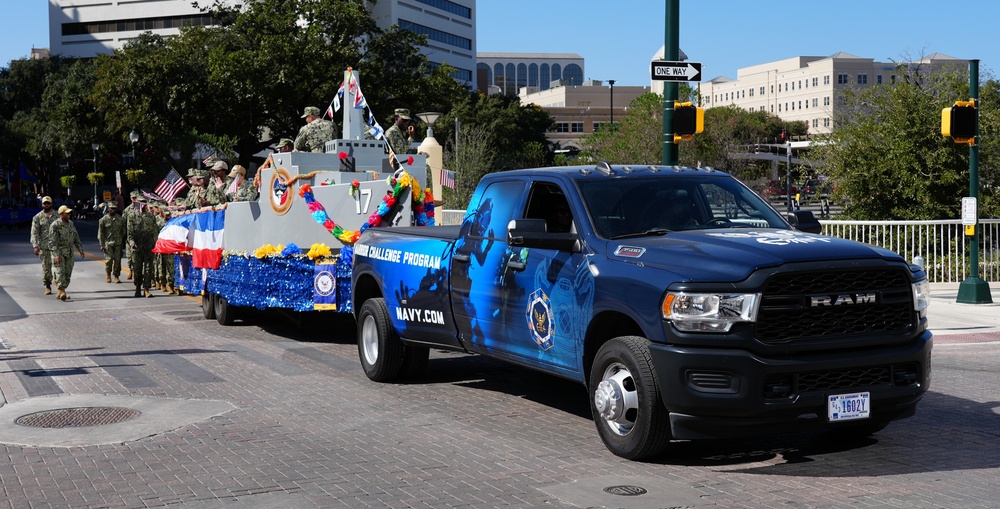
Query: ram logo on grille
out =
(842, 300)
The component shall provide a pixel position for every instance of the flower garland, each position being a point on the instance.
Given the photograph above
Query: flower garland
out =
(422, 206)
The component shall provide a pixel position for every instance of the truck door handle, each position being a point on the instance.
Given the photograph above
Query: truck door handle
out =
(464, 258)
(516, 265)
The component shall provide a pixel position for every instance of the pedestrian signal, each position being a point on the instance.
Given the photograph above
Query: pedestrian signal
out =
(688, 121)
(959, 122)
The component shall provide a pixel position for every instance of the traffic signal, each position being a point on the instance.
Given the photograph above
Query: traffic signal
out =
(688, 121)
(959, 122)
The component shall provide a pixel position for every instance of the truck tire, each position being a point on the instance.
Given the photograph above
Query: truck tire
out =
(208, 305)
(625, 399)
(224, 313)
(414, 361)
(379, 347)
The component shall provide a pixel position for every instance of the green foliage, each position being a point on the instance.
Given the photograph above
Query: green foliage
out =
(67, 181)
(636, 139)
(473, 159)
(95, 177)
(888, 158)
(511, 128)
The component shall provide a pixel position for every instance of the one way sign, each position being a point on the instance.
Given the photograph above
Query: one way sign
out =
(675, 71)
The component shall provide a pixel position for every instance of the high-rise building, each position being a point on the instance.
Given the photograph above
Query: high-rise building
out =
(450, 27)
(87, 28)
(806, 88)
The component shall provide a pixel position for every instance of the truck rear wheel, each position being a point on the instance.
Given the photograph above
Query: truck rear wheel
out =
(625, 399)
(379, 347)
(208, 305)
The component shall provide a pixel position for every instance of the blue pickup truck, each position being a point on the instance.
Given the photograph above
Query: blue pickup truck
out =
(688, 307)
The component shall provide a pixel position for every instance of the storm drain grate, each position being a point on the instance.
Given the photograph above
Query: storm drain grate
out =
(626, 490)
(77, 417)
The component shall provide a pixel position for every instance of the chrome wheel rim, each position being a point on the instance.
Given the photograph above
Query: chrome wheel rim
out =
(616, 399)
(369, 340)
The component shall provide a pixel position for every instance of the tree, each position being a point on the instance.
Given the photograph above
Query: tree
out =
(473, 159)
(888, 158)
(512, 128)
(635, 139)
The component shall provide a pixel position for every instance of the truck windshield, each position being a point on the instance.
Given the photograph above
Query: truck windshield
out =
(634, 206)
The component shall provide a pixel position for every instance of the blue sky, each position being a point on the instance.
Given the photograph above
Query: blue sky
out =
(617, 39)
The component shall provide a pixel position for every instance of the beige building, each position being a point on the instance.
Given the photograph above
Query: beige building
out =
(580, 110)
(805, 88)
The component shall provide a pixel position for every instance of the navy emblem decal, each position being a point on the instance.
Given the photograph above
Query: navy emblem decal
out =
(539, 317)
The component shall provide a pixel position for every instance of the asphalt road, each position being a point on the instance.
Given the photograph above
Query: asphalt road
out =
(276, 412)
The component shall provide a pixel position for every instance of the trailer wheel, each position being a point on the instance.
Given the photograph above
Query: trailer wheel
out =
(414, 361)
(625, 399)
(379, 347)
(208, 305)
(224, 313)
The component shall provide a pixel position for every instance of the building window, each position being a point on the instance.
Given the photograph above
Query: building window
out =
(826, 101)
(815, 102)
(544, 85)
(522, 76)
(815, 122)
(751, 92)
(573, 74)
(137, 24)
(807, 104)
(878, 79)
(800, 83)
(533, 75)
(892, 78)
(843, 79)
(826, 122)
(786, 87)
(862, 79)
(800, 104)
(434, 34)
(815, 82)
(458, 74)
(826, 79)
(562, 127)
(772, 89)
(772, 108)
(761, 90)
(576, 127)
(793, 85)
(510, 85)
(451, 7)
(779, 108)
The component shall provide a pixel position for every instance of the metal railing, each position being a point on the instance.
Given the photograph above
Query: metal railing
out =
(941, 243)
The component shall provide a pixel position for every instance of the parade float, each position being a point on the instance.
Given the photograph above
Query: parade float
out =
(291, 249)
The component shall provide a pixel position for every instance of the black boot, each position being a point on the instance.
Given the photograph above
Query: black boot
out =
(138, 291)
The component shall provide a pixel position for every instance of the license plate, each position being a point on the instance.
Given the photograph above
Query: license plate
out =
(849, 407)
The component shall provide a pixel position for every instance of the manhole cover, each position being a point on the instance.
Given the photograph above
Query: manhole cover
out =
(77, 417)
(626, 491)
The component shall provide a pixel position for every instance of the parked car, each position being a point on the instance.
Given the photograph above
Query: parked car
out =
(776, 189)
(818, 186)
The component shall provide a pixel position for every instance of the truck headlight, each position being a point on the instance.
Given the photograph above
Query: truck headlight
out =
(709, 312)
(921, 297)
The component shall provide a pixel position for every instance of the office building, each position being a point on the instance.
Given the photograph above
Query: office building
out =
(507, 73)
(87, 28)
(579, 110)
(806, 88)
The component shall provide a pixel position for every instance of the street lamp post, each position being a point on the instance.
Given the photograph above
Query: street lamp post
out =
(612, 83)
(134, 138)
(95, 147)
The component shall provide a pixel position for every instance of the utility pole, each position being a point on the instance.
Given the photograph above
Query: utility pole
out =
(974, 289)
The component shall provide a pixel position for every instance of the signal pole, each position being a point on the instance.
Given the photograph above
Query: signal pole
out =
(974, 290)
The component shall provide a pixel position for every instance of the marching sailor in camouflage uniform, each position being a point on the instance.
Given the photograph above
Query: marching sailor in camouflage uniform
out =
(62, 239)
(129, 213)
(166, 260)
(40, 240)
(317, 131)
(142, 234)
(111, 231)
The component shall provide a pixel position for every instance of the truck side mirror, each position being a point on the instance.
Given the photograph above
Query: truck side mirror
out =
(804, 221)
(534, 233)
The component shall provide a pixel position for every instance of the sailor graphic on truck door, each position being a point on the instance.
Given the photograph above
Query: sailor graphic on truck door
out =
(477, 264)
(548, 303)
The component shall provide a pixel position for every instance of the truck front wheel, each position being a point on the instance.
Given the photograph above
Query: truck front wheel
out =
(625, 399)
(379, 347)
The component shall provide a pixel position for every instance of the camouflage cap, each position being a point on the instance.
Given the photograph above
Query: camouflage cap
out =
(133, 194)
(403, 113)
(201, 174)
(285, 142)
(192, 172)
(310, 110)
(140, 199)
(112, 205)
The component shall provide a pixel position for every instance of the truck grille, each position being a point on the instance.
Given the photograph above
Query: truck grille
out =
(802, 306)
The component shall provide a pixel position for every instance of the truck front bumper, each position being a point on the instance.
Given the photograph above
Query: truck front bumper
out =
(719, 393)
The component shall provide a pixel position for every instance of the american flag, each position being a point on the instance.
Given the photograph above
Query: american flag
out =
(447, 178)
(171, 185)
